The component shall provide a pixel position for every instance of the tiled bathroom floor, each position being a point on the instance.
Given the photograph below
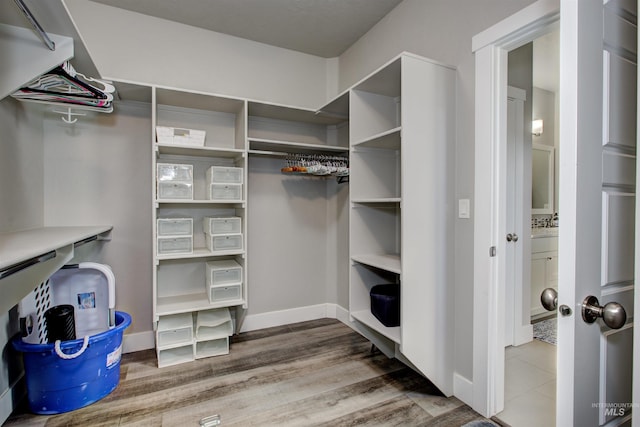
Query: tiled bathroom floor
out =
(530, 385)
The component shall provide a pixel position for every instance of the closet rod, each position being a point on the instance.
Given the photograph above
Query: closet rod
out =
(12, 269)
(43, 35)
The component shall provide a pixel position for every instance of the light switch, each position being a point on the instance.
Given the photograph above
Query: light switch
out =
(464, 208)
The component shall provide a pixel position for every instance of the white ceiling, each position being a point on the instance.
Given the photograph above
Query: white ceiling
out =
(324, 28)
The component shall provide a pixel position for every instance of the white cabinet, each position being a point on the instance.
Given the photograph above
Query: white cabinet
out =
(402, 137)
(544, 269)
(180, 286)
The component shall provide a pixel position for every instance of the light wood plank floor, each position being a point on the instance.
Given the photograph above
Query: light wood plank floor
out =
(311, 373)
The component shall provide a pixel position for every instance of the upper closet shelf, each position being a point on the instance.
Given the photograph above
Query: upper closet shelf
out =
(281, 148)
(184, 150)
(23, 56)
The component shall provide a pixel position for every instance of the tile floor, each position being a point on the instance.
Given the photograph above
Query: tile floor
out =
(530, 385)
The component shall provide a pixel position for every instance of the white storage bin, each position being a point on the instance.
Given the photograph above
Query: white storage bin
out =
(222, 225)
(230, 242)
(174, 172)
(175, 190)
(175, 226)
(171, 135)
(224, 175)
(211, 348)
(223, 272)
(176, 355)
(174, 330)
(225, 191)
(213, 324)
(175, 245)
(225, 293)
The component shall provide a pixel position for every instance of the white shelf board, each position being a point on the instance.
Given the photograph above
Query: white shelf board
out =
(199, 253)
(197, 100)
(259, 144)
(198, 202)
(296, 114)
(19, 246)
(388, 140)
(386, 262)
(184, 150)
(189, 303)
(366, 318)
(376, 200)
(23, 56)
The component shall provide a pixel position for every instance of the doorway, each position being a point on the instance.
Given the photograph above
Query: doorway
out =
(532, 222)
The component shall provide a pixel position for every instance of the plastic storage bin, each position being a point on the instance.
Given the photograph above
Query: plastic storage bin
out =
(174, 172)
(174, 330)
(175, 190)
(223, 293)
(175, 245)
(66, 376)
(175, 226)
(225, 192)
(223, 272)
(222, 225)
(385, 304)
(171, 135)
(222, 243)
(224, 175)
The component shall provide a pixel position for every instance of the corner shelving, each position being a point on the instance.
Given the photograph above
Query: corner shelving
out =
(401, 138)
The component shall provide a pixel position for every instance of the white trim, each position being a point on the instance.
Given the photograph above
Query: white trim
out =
(462, 388)
(491, 48)
(285, 317)
(519, 28)
(139, 341)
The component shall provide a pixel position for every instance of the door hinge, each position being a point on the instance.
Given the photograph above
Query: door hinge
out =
(492, 251)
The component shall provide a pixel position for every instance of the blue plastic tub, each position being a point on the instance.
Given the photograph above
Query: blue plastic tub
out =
(57, 383)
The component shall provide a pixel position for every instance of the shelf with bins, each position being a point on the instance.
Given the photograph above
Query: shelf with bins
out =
(184, 337)
(203, 137)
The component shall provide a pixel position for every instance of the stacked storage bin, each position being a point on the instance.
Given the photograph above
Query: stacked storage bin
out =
(175, 181)
(175, 236)
(224, 183)
(223, 234)
(184, 337)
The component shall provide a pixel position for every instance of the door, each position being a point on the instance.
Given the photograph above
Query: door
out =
(597, 211)
(517, 325)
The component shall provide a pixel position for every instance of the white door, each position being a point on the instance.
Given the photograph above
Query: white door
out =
(517, 325)
(597, 211)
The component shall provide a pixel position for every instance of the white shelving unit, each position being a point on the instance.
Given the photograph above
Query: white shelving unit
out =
(179, 280)
(401, 184)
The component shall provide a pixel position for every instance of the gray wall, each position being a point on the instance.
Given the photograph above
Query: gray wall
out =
(441, 30)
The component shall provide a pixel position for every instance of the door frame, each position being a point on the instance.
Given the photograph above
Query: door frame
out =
(490, 48)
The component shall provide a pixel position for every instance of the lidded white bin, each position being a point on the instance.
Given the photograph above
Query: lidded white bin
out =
(180, 136)
(222, 225)
(224, 175)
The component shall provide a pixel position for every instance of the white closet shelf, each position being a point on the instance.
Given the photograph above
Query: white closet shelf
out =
(199, 202)
(182, 150)
(199, 253)
(261, 146)
(388, 140)
(187, 303)
(19, 246)
(366, 318)
(388, 262)
(376, 200)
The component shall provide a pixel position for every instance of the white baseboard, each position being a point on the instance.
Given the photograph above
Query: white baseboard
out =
(462, 388)
(271, 319)
(146, 340)
(138, 341)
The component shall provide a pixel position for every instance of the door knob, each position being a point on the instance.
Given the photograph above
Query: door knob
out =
(612, 313)
(549, 299)
(512, 237)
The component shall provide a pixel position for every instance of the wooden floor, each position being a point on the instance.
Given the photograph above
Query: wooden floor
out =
(311, 373)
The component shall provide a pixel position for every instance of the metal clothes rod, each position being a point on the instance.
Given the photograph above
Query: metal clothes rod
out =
(43, 35)
(12, 269)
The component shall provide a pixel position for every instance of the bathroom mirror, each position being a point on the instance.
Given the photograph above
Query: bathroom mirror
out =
(542, 183)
